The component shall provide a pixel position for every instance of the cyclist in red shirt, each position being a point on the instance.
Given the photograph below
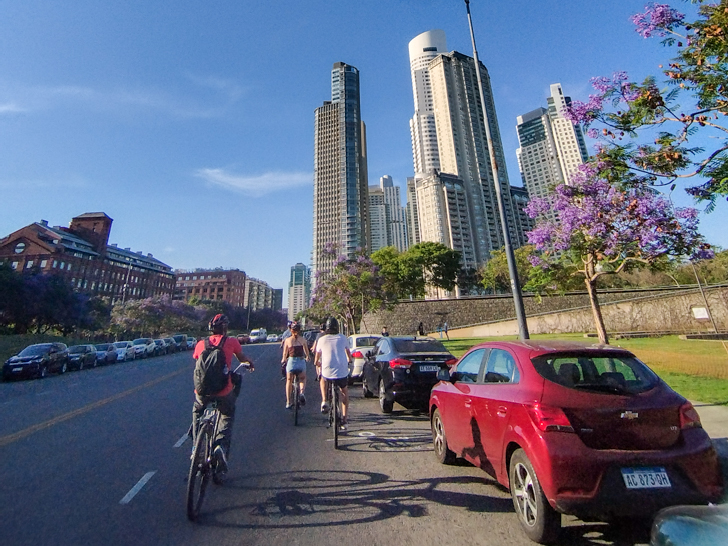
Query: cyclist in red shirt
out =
(226, 397)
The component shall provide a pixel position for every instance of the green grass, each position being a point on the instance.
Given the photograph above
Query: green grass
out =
(696, 369)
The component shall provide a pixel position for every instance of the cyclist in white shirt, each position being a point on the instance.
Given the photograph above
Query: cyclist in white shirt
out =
(332, 362)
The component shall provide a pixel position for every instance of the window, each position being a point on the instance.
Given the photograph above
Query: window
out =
(469, 367)
(43, 263)
(501, 367)
(19, 248)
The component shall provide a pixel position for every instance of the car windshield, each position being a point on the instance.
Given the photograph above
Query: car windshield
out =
(120, 344)
(178, 339)
(35, 350)
(366, 341)
(77, 349)
(141, 341)
(158, 341)
(418, 346)
(102, 347)
(607, 372)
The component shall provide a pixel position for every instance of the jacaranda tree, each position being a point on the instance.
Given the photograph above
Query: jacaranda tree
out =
(603, 228)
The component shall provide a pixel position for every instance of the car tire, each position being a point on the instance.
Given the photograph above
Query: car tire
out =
(385, 404)
(80, 365)
(64, 368)
(365, 391)
(42, 371)
(538, 519)
(443, 453)
(96, 362)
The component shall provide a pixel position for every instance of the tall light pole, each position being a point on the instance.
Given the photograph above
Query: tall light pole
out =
(510, 257)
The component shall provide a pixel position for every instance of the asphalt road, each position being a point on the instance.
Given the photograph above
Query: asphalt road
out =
(94, 457)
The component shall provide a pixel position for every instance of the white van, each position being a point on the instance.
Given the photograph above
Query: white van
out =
(259, 335)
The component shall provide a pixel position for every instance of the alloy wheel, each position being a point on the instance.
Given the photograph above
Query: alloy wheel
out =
(525, 495)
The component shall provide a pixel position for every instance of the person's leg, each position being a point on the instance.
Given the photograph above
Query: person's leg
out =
(323, 385)
(344, 402)
(198, 408)
(226, 405)
(289, 382)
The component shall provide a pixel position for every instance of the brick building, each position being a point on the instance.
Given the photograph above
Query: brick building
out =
(211, 284)
(81, 254)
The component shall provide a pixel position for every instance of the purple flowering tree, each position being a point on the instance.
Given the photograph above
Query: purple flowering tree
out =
(603, 228)
(644, 134)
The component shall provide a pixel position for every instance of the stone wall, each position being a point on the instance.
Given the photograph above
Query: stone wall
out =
(633, 311)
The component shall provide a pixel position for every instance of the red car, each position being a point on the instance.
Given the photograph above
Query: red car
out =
(573, 429)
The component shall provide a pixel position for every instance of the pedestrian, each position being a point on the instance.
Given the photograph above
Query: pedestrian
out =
(445, 329)
(385, 333)
(421, 329)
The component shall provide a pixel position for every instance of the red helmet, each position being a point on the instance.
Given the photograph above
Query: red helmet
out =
(218, 324)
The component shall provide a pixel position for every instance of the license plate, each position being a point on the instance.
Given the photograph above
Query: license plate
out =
(429, 368)
(18, 369)
(645, 478)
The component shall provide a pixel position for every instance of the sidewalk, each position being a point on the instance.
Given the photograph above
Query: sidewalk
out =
(714, 419)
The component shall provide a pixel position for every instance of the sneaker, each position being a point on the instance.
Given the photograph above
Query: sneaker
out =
(222, 464)
(289, 406)
(342, 425)
(302, 399)
(324, 407)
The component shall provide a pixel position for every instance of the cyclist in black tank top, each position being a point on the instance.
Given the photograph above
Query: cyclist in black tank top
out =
(295, 355)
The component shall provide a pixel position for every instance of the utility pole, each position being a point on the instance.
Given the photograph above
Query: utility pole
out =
(510, 257)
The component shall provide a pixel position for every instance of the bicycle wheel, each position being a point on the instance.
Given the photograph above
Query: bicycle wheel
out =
(200, 470)
(296, 399)
(337, 415)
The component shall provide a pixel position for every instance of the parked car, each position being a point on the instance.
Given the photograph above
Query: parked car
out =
(259, 335)
(272, 338)
(144, 347)
(691, 526)
(181, 341)
(191, 342)
(124, 351)
(105, 353)
(36, 361)
(403, 369)
(359, 345)
(573, 429)
(172, 346)
(81, 356)
(243, 339)
(162, 347)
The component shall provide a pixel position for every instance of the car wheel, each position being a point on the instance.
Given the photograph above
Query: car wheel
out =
(538, 519)
(96, 362)
(42, 372)
(64, 368)
(385, 404)
(365, 391)
(80, 365)
(439, 440)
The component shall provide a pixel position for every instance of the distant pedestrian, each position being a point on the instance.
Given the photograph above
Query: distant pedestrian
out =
(385, 333)
(444, 328)
(421, 329)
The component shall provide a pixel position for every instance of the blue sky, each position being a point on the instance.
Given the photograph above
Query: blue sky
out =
(190, 123)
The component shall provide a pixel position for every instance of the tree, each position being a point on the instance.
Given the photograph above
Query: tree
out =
(439, 264)
(156, 315)
(401, 271)
(604, 228)
(645, 135)
(495, 274)
(12, 309)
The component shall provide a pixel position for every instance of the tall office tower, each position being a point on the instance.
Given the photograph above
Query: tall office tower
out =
(463, 147)
(378, 218)
(340, 201)
(442, 205)
(396, 223)
(570, 144)
(423, 49)
(524, 223)
(413, 221)
(299, 290)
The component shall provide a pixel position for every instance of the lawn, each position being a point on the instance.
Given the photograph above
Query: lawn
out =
(696, 369)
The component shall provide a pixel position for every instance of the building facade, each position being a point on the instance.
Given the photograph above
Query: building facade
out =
(341, 202)
(211, 284)
(299, 290)
(82, 255)
(411, 213)
(524, 223)
(258, 295)
(387, 216)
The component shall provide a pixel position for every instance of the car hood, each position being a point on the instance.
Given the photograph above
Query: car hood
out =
(24, 359)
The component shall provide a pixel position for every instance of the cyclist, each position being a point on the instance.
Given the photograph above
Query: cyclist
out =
(332, 362)
(226, 397)
(295, 355)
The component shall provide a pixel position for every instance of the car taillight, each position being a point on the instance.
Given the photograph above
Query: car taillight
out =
(451, 362)
(357, 354)
(548, 418)
(689, 417)
(399, 363)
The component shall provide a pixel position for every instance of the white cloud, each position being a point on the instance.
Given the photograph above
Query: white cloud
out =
(11, 108)
(255, 185)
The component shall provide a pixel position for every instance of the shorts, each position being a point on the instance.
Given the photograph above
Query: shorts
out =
(296, 364)
(342, 382)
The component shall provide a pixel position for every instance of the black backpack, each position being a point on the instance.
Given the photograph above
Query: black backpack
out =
(210, 369)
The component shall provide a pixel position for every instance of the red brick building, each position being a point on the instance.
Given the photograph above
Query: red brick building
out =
(82, 255)
(212, 284)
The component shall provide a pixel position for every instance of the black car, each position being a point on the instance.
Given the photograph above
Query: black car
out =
(81, 356)
(172, 345)
(181, 341)
(404, 370)
(36, 361)
(106, 353)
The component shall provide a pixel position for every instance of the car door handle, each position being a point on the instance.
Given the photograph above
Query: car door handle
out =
(502, 411)
(468, 403)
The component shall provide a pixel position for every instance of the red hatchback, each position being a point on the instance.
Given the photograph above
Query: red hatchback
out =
(573, 429)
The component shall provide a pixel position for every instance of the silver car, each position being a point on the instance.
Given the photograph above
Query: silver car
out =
(359, 344)
(124, 351)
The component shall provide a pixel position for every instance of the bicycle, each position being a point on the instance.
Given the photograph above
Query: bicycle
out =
(296, 396)
(334, 399)
(204, 464)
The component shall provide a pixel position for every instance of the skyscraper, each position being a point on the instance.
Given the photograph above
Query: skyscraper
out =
(413, 221)
(396, 223)
(422, 50)
(299, 290)
(340, 201)
(378, 218)
(463, 147)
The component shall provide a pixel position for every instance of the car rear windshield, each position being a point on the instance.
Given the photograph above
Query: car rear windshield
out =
(418, 346)
(597, 371)
(179, 339)
(35, 350)
(102, 347)
(77, 349)
(141, 341)
(366, 341)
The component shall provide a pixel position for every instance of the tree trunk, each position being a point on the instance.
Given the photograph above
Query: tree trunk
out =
(591, 287)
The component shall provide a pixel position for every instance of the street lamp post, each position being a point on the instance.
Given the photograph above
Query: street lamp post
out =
(510, 257)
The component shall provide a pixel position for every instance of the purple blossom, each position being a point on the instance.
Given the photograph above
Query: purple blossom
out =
(657, 19)
(584, 112)
(592, 133)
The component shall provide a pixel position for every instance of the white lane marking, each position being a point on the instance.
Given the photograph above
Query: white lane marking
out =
(367, 434)
(134, 490)
(182, 440)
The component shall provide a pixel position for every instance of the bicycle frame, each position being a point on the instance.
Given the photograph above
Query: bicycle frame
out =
(334, 397)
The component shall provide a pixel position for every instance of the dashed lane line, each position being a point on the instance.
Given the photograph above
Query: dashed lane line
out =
(10, 438)
(182, 440)
(138, 487)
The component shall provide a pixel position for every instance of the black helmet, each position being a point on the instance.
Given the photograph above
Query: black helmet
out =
(295, 326)
(332, 326)
(218, 324)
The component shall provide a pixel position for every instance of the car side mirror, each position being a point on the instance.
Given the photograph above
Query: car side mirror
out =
(443, 374)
